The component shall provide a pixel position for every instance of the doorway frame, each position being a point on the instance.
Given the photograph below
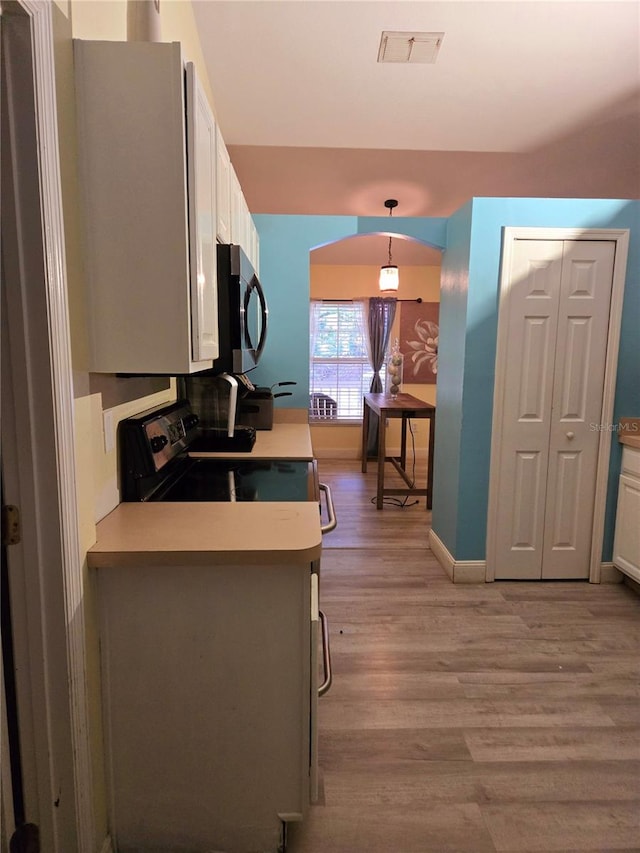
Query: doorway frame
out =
(619, 236)
(52, 642)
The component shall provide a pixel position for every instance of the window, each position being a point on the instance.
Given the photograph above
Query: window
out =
(339, 365)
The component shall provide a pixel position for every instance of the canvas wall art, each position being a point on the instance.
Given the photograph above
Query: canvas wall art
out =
(419, 330)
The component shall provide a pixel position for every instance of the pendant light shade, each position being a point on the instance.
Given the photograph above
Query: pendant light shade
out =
(389, 277)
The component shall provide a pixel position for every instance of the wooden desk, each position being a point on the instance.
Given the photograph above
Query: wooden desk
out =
(405, 406)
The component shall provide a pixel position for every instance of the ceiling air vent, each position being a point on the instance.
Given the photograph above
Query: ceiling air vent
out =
(409, 47)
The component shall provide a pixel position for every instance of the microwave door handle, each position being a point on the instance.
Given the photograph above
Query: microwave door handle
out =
(264, 318)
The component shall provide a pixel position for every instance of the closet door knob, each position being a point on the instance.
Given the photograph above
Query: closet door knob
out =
(570, 435)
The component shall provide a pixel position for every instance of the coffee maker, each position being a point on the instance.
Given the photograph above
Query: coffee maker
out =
(214, 399)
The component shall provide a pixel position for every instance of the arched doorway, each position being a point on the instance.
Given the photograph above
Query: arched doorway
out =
(342, 274)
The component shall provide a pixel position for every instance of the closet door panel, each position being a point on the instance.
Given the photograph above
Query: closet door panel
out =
(532, 312)
(580, 358)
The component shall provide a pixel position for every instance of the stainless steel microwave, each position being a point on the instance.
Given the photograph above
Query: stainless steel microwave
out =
(242, 312)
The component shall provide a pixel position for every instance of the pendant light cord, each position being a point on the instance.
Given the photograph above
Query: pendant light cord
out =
(390, 216)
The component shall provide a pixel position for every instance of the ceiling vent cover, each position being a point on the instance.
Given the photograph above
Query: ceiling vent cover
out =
(409, 47)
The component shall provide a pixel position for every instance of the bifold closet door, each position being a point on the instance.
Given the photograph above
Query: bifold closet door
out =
(557, 316)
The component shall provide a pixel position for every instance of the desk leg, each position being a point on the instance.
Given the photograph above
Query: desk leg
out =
(382, 430)
(432, 435)
(365, 435)
(403, 443)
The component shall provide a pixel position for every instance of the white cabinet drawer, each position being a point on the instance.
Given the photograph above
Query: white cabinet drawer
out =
(631, 461)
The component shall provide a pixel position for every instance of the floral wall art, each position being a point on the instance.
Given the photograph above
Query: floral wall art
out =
(419, 328)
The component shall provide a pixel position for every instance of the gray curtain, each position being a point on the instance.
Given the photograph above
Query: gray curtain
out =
(381, 314)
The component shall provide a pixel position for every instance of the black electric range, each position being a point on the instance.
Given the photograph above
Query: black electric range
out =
(159, 461)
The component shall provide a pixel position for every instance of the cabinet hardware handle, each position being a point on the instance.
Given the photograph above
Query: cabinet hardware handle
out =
(331, 512)
(326, 654)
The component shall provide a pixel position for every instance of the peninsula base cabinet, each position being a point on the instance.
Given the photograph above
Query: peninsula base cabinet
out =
(626, 543)
(208, 705)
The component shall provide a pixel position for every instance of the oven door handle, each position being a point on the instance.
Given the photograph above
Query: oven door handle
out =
(331, 512)
(326, 654)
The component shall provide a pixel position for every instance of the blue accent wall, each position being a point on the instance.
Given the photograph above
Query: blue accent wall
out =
(454, 291)
(489, 217)
(468, 331)
(285, 243)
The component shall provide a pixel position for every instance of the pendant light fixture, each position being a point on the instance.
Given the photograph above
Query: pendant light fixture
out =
(389, 279)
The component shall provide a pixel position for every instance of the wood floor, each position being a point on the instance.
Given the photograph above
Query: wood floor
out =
(497, 717)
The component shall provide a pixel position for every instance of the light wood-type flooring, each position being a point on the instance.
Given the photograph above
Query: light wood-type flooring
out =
(495, 717)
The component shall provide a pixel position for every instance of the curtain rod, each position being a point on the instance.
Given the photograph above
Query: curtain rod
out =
(418, 300)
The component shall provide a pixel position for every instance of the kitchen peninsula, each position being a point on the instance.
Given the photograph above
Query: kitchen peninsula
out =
(208, 621)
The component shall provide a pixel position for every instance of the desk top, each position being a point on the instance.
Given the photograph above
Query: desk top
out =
(403, 403)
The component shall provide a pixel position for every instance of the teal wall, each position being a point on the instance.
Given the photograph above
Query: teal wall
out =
(454, 288)
(468, 330)
(469, 503)
(285, 243)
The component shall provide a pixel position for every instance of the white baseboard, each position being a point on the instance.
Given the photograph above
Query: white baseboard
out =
(460, 571)
(610, 574)
(474, 571)
(107, 846)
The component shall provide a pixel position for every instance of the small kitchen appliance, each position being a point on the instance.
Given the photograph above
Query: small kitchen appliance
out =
(214, 401)
(255, 404)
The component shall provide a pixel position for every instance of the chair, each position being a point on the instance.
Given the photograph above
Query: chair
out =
(322, 407)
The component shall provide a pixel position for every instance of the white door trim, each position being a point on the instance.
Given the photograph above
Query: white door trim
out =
(53, 574)
(621, 238)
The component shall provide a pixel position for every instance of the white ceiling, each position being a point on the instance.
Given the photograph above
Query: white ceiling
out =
(508, 74)
(315, 124)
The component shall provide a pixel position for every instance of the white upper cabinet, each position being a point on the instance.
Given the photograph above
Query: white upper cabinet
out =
(243, 230)
(238, 216)
(201, 163)
(254, 242)
(148, 210)
(223, 181)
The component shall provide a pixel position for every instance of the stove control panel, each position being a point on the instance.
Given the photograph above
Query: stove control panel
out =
(149, 441)
(158, 443)
(169, 433)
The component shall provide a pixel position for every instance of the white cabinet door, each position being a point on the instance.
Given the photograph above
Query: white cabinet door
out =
(237, 201)
(240, 216)
(201, 159)
(133, 175)
(626, 544)
(207, 691)
(223, 190)
(555, 320)
(254, 241)
(626, 548)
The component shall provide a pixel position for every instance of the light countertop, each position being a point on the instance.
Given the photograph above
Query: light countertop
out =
(205, 533)
(284, 441)
(215, 533)
(629, 432)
